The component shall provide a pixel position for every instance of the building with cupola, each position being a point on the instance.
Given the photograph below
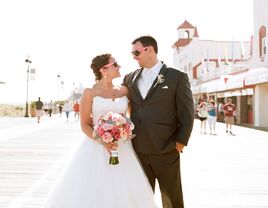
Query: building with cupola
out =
(221, 69)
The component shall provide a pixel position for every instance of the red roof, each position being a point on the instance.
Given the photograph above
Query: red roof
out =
(195, 32)
(186, 25)
(182, 42)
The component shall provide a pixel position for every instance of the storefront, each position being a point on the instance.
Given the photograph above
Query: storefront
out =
(258, 79)
(230, 86)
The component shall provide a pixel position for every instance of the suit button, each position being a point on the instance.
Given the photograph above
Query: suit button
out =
(139, 121)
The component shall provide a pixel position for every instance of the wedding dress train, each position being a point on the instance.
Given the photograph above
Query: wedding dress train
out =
(89, 181)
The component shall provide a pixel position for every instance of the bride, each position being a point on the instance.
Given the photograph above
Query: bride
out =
(88, 180)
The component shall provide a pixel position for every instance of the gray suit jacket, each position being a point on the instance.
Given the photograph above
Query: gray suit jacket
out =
(165, 116)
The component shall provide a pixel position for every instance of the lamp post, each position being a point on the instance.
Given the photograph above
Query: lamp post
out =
(28, 62)
(58, 92)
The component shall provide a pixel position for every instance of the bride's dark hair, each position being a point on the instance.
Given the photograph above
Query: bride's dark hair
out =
(98, 62)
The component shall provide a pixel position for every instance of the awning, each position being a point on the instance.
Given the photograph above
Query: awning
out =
(239, 92)
(215, 85)
(256, 76)
(208, 87)
(235, 81)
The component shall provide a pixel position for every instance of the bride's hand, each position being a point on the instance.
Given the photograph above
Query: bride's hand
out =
(110, 146)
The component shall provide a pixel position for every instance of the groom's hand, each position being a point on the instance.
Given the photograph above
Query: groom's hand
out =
(179, 147)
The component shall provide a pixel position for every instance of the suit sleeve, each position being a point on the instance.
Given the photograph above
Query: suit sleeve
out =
(185, 110)
(124, 83)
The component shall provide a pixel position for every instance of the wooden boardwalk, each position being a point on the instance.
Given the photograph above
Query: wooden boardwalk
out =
(218, 171)
(30, 161)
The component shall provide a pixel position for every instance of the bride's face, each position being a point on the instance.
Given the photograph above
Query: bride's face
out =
(111, 70)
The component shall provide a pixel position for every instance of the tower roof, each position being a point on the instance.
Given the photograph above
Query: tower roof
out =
(186, 25)
(182, 42)
(195, 32)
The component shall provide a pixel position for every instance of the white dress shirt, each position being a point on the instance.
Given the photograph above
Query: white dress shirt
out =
(148, 75)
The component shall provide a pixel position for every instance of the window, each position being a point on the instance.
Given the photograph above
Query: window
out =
(262, 42)
(186, 34)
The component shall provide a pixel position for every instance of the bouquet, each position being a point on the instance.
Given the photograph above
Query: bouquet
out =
(113, 127)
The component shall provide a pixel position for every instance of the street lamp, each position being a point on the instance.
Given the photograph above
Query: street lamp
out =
(58, 92)
(28, 62)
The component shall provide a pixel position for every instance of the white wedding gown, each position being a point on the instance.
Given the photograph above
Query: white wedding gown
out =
(89, 181)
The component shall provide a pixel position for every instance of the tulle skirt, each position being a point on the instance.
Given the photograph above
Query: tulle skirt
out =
(89, 181)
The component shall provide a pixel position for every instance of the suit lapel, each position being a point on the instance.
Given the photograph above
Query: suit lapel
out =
(135, 83)
(162, 71)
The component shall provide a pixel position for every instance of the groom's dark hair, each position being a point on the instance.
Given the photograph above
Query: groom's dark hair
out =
(147, 40)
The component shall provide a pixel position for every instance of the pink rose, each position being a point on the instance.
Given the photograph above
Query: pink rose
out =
(107, 127)
(107, 137)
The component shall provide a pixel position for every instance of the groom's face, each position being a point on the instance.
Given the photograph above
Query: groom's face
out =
(139, 53)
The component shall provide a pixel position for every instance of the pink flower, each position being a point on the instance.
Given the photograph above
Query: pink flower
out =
(113, 127)
(124, 135)
(122, 120)
(107, 127)
(117, 136)
(100, 131)
(107, 137)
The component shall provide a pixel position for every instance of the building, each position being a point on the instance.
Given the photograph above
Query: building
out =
(234, 69)
(216, 69)
(257, 76)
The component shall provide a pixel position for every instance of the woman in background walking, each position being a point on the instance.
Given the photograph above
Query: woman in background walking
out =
(212, 117)
(67, 108)
(203, 114)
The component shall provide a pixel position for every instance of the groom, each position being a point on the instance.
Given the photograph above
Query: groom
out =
(163, 114)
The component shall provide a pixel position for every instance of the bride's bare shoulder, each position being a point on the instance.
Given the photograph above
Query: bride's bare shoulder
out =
(89, 93)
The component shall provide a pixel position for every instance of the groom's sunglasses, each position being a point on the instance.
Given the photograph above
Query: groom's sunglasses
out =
(138, 51)
(115, 64)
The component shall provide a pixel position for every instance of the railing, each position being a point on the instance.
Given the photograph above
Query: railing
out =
(218, 72)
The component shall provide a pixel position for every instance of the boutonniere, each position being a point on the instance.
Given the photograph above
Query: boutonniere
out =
(160, 79)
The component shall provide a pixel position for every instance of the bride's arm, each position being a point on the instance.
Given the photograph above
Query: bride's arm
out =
(85, 112)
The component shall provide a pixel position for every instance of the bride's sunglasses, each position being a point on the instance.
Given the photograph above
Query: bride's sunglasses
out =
(138, 51)
(115, 64)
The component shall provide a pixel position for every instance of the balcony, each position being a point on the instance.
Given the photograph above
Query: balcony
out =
(222, 70)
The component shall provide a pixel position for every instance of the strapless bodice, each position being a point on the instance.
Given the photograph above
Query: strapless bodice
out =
(101, 106)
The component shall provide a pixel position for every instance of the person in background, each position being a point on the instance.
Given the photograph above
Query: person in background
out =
(45, 107)
(212, 117)
(39, 109)
(203, 115)
(67, 108)
(50, 108)
(229, 109)
(220, 112)
(76, 110)
(60, 108)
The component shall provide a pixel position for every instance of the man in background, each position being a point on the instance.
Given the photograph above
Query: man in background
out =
(229, 109)
(76, 110)
(39, 109)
